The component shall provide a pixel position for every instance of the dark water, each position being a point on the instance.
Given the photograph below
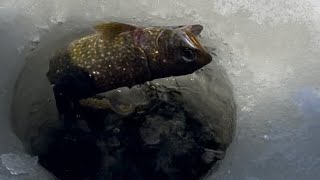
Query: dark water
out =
(200, 115)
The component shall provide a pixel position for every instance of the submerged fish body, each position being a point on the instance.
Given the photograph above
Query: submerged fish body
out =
(119, 55)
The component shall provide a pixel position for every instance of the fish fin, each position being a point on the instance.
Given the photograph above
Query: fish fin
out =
(196, 29)
(106, 104)
(112, 29)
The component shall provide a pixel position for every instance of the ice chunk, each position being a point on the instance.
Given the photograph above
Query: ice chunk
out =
(19, 164)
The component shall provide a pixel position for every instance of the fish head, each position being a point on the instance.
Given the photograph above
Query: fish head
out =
(180, 52)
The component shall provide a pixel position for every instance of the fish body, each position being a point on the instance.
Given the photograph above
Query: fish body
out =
(118, 55)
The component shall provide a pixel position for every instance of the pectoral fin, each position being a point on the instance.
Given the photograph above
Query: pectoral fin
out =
(105, 104)
(196, 29)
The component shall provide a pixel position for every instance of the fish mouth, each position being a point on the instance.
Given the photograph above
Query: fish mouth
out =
(205, 59)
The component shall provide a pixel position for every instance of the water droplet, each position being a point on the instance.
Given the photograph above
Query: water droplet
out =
(36, 40)
(116, 130)
(21, 49)
(266, 137)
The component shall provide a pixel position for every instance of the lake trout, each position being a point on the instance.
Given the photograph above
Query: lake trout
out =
(122, 55)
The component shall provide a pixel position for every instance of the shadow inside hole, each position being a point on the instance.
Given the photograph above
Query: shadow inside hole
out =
(175, 134)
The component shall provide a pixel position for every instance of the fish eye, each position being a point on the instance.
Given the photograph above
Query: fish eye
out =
(188, 55)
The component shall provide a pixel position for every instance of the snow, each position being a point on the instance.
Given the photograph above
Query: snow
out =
(270, 50)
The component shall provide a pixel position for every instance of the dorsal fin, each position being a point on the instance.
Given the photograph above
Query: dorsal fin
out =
(112, 29)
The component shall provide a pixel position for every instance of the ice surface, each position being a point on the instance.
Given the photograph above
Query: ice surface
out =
(19, 166)
(270, 50)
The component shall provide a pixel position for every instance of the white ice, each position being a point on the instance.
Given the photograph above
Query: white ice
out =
(270, 49)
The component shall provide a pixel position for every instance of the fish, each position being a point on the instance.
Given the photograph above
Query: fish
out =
(123, 55)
